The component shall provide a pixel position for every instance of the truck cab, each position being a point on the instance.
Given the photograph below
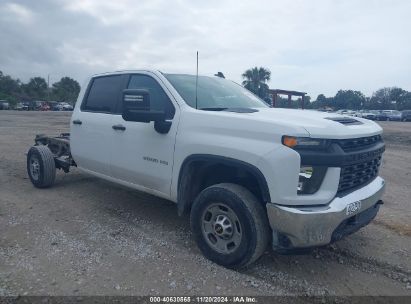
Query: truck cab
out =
(247, 175)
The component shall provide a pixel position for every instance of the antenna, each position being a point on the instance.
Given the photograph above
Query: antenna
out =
(196, 80)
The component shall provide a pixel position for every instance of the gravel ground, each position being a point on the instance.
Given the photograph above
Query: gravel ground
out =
(86, 236)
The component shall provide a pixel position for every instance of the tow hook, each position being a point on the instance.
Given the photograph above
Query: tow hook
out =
(380, 202)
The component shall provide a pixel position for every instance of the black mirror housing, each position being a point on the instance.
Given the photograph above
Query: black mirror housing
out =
(136, 107)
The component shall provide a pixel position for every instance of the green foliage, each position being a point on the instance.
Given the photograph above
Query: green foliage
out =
(255, 80)
(390, 98)
(12, 90)
(383, 99)
(8, 85)
(67, 89)
(349, 99)
(36, 88)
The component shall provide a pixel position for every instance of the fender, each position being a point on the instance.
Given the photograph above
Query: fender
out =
(185, 181)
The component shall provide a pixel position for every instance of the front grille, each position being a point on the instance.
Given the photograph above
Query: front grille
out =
(359, 143)
(363, 164)
(355, 175)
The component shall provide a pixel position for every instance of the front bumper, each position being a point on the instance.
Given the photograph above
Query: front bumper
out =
(309, 226)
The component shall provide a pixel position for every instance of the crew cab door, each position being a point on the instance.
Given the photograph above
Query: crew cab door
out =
(91, 130)
(139, 154)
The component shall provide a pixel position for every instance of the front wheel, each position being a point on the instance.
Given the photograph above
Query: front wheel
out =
(41, 167)
(230, 225)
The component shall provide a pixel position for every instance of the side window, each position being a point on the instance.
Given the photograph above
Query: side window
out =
(103, 94)
(158, 98)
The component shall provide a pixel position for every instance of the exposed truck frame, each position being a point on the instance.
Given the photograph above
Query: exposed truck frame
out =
(59, 146)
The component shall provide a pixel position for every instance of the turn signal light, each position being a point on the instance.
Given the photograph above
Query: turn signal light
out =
(289, 141)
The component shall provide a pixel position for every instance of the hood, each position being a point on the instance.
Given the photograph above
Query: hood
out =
(317, 124)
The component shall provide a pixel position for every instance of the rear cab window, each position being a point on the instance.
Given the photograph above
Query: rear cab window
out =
(103, 94)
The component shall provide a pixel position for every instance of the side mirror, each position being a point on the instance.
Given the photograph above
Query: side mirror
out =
(136, 107)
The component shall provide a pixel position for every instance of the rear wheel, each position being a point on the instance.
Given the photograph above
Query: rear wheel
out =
(41, 167)
(230, 225)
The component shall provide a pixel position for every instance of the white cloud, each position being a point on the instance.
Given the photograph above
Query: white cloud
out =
(318, 46)
(16, 12)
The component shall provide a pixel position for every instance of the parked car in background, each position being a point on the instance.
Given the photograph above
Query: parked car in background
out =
(34, 105)
(57, 107)
(393, 115)
(62, 106)
(366, 114)
(22, 106)
(346, 112)
(67, 107)
(44, 107)
(406, 115)
(4, 105)
(380, 115)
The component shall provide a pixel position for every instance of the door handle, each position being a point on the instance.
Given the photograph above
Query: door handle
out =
(119, 127)
(77, 122)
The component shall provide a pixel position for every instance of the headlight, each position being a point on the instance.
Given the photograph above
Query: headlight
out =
(304, 142)
(310, 179)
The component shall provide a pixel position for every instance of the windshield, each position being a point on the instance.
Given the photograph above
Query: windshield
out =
(213, 93)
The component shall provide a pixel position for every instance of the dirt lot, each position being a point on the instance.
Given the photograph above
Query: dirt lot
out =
(86, 236)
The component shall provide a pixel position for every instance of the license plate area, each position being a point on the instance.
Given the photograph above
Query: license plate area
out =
(353, 208)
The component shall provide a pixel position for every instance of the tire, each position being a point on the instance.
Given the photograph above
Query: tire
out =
(41, 167)
(246, 216)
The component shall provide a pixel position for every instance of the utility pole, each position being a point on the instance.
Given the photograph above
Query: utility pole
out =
(48, 87)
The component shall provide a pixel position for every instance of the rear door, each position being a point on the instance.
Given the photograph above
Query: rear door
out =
(140, 155)
(91, 130)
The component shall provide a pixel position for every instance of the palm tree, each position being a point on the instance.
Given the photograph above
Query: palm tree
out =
(256, 81)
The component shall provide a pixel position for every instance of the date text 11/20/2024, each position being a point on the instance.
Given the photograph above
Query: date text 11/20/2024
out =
(204, 299)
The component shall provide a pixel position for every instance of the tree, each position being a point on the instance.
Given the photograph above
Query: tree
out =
(321, 101)
(9, 88)
(406, 101)
(36, 88)
(381, 99)
(67, 89)
(256, 81)
(349, 99)
(390, 98)
(8, 85)
(397, 97)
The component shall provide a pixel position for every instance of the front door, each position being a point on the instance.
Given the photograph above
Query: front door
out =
(139, 153)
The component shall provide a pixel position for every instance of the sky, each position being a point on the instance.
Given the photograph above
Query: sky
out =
(315, 46)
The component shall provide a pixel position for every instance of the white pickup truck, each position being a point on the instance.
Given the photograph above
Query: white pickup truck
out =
(247, 174)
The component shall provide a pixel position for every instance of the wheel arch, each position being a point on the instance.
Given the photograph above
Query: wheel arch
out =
(196, 168)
